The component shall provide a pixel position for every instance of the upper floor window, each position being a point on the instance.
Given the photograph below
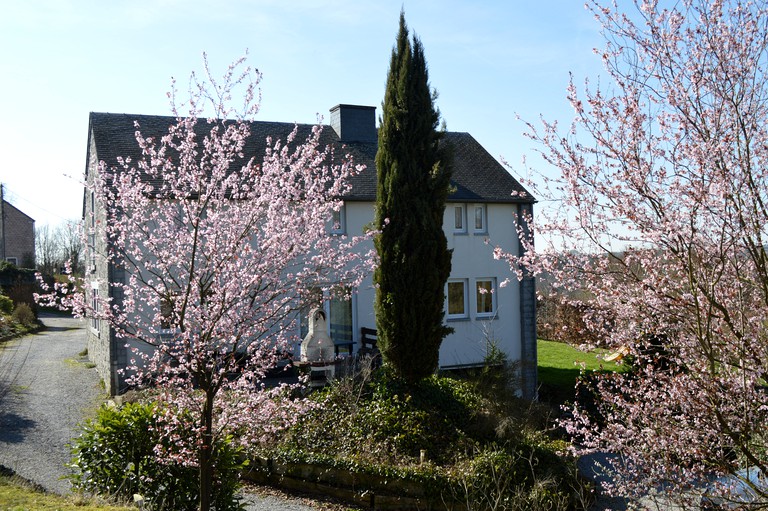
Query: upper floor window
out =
(338, 221)
(480, 218)
(95, 306)
(91, 250)
(459, 214)
(93, 210)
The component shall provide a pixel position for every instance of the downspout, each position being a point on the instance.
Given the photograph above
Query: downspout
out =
(528, 338)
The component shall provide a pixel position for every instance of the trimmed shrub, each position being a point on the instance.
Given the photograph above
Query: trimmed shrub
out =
(24, 316)
(6, 304)
(115, 456)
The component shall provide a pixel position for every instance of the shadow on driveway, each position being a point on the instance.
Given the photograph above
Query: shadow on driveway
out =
(13, 427)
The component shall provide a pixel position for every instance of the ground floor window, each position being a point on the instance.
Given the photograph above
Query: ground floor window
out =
(339, 311)
(457, 299)
(485, 296)
(340, 315)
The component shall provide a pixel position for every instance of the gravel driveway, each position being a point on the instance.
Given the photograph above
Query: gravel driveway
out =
(51, 393)
(52, 389)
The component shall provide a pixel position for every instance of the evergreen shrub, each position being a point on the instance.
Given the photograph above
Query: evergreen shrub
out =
(115, 456)
(24, 316)
(476, 451)
(6, 305)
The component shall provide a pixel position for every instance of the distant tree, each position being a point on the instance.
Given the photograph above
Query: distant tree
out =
(413, 181)
(71, 245)
(666, 176)
(217, 256)
(47, 250)
(57, 246)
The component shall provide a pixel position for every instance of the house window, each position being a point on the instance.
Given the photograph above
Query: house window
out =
(457, 299)
(338, 221)
(338, 311)
(92, 252)
(459, 225)
(12, 260)
(340, 320)
(485, 292)
(166, 313)
(95, 307)
(480, 218)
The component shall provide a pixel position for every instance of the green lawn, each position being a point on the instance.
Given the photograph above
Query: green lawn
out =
(559, 366)
(18, 496)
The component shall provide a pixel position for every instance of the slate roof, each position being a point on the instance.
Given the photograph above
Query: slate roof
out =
(477, 176)
(7, 204)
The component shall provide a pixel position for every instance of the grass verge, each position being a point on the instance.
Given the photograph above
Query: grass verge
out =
(560, 365)
(18, 495)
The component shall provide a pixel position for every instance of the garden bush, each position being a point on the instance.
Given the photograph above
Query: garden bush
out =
(24, 316)
(115, 456)
(479, 449)
(6, 305)
(518, 478)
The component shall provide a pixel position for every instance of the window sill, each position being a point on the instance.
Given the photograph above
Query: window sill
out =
(460, 233)
(486, 317)
(480, 233)
(464, 318)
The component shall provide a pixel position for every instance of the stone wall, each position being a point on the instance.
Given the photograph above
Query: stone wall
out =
(18, 236)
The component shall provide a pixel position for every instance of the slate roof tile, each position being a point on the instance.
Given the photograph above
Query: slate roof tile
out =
(477, 176)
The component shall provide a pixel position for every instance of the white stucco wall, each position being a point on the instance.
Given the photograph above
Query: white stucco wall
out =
(472, 260)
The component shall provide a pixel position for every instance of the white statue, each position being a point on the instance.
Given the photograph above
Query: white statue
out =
(317, 346)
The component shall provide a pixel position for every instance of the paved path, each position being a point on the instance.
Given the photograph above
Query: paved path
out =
(46, 389)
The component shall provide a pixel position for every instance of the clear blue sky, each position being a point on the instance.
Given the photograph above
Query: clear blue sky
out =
(61, 59)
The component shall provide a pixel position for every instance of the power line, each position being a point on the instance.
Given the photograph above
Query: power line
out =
(10, 194)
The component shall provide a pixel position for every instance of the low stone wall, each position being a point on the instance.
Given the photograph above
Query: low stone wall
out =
(366, 490)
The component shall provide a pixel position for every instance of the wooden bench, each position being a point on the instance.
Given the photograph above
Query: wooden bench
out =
(369, 346)
(368, 341)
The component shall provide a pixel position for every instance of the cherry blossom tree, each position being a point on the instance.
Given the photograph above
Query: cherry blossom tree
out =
(217, 246)
(656, 228)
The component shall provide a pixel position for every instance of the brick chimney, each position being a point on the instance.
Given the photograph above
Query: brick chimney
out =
(353, 123)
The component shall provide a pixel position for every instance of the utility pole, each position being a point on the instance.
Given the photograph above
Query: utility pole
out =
(2, 223)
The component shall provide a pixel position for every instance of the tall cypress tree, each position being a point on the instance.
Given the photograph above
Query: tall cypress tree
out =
(413, 181)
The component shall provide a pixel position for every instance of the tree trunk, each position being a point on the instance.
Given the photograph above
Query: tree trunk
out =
(206, 453)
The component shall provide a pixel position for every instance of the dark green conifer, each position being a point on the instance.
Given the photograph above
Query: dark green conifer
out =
(413, 182)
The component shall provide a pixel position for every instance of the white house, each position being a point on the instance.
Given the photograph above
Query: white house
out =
(486, 204)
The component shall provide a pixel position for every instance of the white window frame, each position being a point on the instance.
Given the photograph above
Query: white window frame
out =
(339, 220)
(481, 208)
(493, 292)
(91, 250)
(459, 218)
(353, 309)
(457, 315)
(96, 306)
(14, 261)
